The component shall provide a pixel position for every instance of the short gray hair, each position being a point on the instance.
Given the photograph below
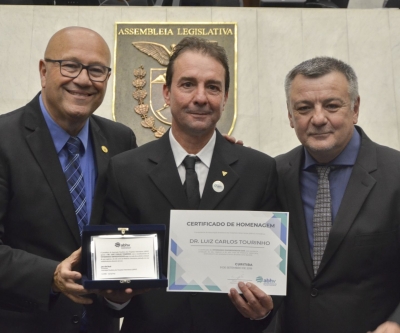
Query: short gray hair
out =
(320, 66)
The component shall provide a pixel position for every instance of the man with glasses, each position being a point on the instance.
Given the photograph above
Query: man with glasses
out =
(72, 69)
(53, 158)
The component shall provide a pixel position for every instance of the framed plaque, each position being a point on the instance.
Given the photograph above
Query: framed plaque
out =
(120, 257)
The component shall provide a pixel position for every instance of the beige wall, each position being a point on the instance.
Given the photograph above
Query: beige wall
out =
(270, 42)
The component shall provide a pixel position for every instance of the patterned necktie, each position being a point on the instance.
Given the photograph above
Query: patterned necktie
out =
(73, 174)
(322, 220)
(192, 182)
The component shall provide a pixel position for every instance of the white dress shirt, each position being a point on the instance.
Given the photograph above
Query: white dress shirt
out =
(201, 168)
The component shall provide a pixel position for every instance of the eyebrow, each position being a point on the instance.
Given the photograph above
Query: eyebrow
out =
(90, 64)
(191, 78)
(305, 101)
(216, 82)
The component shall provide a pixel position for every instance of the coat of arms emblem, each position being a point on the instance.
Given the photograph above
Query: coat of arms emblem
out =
(141, 58)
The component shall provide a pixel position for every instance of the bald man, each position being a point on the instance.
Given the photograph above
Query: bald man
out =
(40, 222)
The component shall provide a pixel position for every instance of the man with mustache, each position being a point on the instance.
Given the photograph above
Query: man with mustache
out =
(145, 184)
(342, 192)
(49, 148)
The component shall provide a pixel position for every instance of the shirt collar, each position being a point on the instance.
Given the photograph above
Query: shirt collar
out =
(59, 135)
(205, 155)
(346, 158)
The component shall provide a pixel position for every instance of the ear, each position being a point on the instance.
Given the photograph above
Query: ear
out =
(356, 110)
(166, 94)
(42, 72)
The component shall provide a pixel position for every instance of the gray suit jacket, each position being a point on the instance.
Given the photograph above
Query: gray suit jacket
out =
(358, 284)
(38, 226)
(144, 186)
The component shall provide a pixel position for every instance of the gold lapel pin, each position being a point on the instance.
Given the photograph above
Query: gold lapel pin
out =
(224, 173)
(104, 149)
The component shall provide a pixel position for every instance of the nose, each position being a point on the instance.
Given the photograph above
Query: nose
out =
(83, 78)
(200, 97)
(319, 116)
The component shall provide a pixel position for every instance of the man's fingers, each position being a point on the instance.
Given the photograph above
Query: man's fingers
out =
(259, 302)
(232, 139)
(64, 279)
(75, 257)
(229, 138)
(264, 299)
(66, 274)
(239, 142)
(254, 304)
(239, 303)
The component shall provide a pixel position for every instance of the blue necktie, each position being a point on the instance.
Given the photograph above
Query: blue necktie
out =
(73, 174)
(76, 184)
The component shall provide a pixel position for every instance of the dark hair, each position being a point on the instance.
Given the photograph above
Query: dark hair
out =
(320, 66)
(203, 46)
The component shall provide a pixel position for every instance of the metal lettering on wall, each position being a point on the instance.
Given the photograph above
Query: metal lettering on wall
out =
(142, 52)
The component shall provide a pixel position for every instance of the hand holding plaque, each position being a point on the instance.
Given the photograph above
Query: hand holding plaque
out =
(122, 257)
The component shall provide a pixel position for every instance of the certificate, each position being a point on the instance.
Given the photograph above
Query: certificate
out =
(127, 257)
(211, 251)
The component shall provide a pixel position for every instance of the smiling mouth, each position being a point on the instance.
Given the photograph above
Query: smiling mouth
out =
(80, 93)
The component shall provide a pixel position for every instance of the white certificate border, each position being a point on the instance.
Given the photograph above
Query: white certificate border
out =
(283, 236)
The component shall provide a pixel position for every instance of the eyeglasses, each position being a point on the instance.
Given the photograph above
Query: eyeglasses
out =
(72, 69)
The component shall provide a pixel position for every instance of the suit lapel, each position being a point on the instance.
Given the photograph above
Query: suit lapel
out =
(222, 159)
(292, 192)
(102, 158)
(165, 174)
(357, 190)
(41, 144)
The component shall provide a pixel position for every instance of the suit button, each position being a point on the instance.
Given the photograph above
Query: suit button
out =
(314, 292)
(193, 294)
(75, 319)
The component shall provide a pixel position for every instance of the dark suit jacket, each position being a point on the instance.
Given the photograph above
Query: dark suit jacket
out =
(38, 226)
(358, 284)
(144, 186)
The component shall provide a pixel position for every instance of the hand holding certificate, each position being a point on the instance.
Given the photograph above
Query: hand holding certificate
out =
(212, 251)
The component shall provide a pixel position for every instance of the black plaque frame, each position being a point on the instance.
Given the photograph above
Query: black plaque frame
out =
(98, 230)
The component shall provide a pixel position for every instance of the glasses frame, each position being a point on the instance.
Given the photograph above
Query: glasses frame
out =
(87, 67)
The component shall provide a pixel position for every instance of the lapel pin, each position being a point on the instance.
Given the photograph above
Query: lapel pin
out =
(104, 149)
(224, 173)
(218, 186)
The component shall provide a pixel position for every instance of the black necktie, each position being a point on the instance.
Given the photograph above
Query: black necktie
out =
(192, 183)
